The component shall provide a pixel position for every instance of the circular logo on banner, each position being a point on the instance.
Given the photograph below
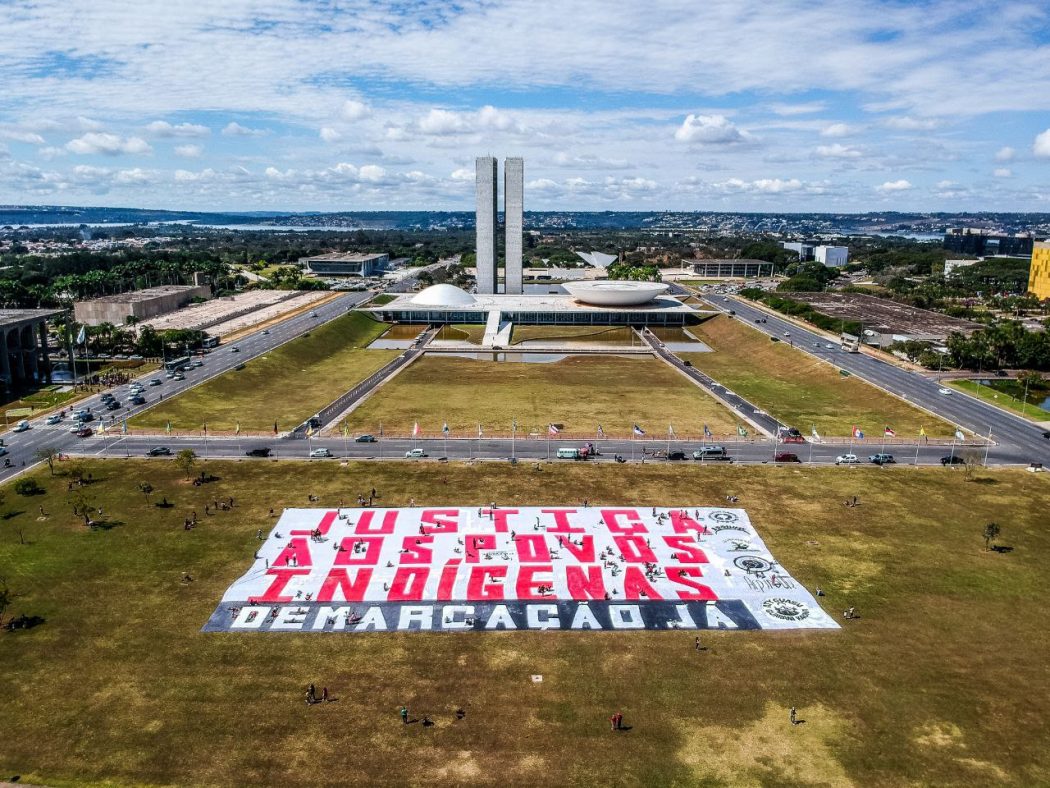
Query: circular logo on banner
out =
(723, 517)
(785, 609)
(752, 564)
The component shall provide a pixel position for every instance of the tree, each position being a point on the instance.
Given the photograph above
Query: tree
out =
(146, 488)
(6, 598)
(28, 487)
(990, 532)
(185, 460)
(48, 454)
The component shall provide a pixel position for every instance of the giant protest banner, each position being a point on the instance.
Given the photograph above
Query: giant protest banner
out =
(554, 567)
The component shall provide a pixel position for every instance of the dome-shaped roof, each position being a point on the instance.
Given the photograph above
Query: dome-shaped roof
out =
(443, 295)
(608, 292)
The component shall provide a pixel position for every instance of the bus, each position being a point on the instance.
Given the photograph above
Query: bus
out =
(175, 363)
(210, 342)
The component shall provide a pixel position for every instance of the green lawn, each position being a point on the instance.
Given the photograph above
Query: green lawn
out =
(1003, 400)
(287, 385)
(800, 390)
(942, 680)
(577, 393)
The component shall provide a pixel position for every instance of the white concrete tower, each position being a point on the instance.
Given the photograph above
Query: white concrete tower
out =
(513, 209)
(485, 223)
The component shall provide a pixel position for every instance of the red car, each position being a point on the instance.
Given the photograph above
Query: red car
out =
(786, 456)
(86, 432)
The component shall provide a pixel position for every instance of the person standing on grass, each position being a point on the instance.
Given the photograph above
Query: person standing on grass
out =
(793, 716)
(698, 643)
(404, 715)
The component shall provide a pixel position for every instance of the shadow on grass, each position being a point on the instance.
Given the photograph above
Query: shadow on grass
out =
(105, 525)
(986, 481)
(23, 622)
(10, 515)
(1002, 548)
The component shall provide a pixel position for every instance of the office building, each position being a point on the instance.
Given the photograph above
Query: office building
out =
(804, 249)
(485, 221)
(139, 304)
(345, 264)
(985, 243)
(835, 256)
(1039, 273)
(513, 207)
(731, 269)
(25, 358)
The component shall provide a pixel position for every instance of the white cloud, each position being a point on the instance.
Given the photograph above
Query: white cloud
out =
(463, 174)
(356, 110)
(894, 186)
(371, 172)
(161, 128)
(1005, 153)
(442, 122)
(946, 184)
(708, 130)
(234, 129)
(1041, 146)
(19, 135)
(98, 142)
(188, 151)
(1002, 172)
(187, 176)
(761, 185)
(907, 123)
(89, 124)
(807, 108)
(133, 176)
(837, 130)
(837, 151)
(328, 134)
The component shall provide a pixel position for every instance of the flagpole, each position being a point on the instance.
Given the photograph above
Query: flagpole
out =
(917, 452)
(987, 446)
(513, 436)
(811, 442)
(952, 456)
(380, 440)
(346, 445)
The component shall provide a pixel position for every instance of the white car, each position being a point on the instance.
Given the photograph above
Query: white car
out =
(322, 452)
(847, 459)
(54, 418)
(415, 454)
(944, 391)
(22, 426)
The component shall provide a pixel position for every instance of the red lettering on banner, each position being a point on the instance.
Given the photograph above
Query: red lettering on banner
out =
(532, 549)
(348, 554)
(433, 521)
(499, 518)
(473, 544)
(350, 590)
(561, 521)
(478, 589)
(681, 575)
(635, 550)
(529, 584)
(634, 525)
(280, 580)
(296, 553)
(323, 526)
(691, 552)
(583, 553)
(589, 586)
(417, 550)
(408, 584)
(683, 523)
(448, 580)
(635, 586)
(364, 523)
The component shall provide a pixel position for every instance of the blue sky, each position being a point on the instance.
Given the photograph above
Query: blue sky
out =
(842, 105)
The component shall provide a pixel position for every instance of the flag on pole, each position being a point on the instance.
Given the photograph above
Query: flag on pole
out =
(707, 432)
(205, 428)
(959, 435)
(552, 430)
(479, 429)
(124, 427)
(514, 425)
(346, 430)
(82, 336)
(638, 430)
(601, 432)
(237, 428)
(167, 429)
(814, 433)
(922, 432)
(858, 433)
(670, 432)
(415, 430)
(444, 428)
(310, 431)
(888, 432)
(380, 429)
(741, 431)
(275, 428)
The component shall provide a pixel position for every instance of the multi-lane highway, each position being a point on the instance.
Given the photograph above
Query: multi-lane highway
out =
(23, 447)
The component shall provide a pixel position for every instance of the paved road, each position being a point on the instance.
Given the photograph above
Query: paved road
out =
(1016, 437)
(23, 447)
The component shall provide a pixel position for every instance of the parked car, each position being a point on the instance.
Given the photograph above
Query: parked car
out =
(952, 460)
(322, 452)
(415, 454)
(847, 459)
(85, 432)
(882, 459)
(785, 456)
(159, 451)
(262, 451)
(365, 439)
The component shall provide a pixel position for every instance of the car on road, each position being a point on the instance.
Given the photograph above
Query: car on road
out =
(266, 331)
(138, 399)
(787, 333)
(159, 451)
(107, 396)
(3, 451)
(829, 347)
(882, 459)
(54, 418)
(179, 376)
(85, 432)
(313, 314)
(711, 453)
(262, 451)
(785, 456)
(1047, 435)
(952, 460)
(365, 439)
(322, 452)
(676, 455)
(847, 459)
(113, 404)
(235, 349)
(414, 454)
(22, 426)
(944, 391)
(84, 415)
(156, 382)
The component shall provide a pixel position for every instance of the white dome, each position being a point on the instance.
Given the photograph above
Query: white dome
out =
(443, 295)
(607, 292)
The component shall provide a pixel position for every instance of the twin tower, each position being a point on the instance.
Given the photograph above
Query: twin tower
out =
(488, 224)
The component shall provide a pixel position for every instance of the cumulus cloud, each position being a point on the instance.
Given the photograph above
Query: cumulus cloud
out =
(894, 186)
(19, 135)
(161, 128)
(462, 174)
(806, 108)
(328, 134)
(907, 123)
(1002, 172)
(1005, 153)
(234, 129)
(356, 110)
(837, 151)
(760, 185)
(188, 151)
(709, 130)
(1041, 146)
(99, 142)
(837, 130)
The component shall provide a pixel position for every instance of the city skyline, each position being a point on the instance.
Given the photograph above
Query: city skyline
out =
(730, 106)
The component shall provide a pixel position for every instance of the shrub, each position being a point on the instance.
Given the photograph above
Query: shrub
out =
(28, 487)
